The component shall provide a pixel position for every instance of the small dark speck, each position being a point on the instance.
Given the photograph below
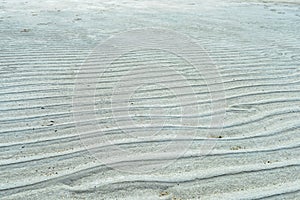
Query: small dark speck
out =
(42, 108)
(25, 30)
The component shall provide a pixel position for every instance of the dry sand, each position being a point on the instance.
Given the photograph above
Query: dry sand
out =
(254, 44)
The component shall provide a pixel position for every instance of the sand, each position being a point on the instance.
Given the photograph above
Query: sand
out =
(53, 150)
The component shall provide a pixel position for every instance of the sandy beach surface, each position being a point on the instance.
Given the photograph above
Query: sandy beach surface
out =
(113, 146)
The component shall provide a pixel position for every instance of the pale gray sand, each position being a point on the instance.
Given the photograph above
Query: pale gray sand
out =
(256, 47)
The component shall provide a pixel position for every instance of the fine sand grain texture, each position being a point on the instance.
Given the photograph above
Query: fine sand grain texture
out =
(254, 44)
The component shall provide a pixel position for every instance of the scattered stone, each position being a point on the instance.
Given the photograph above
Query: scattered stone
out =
(237, 148)
(164, 193)
(51, 123)
(175, 198)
